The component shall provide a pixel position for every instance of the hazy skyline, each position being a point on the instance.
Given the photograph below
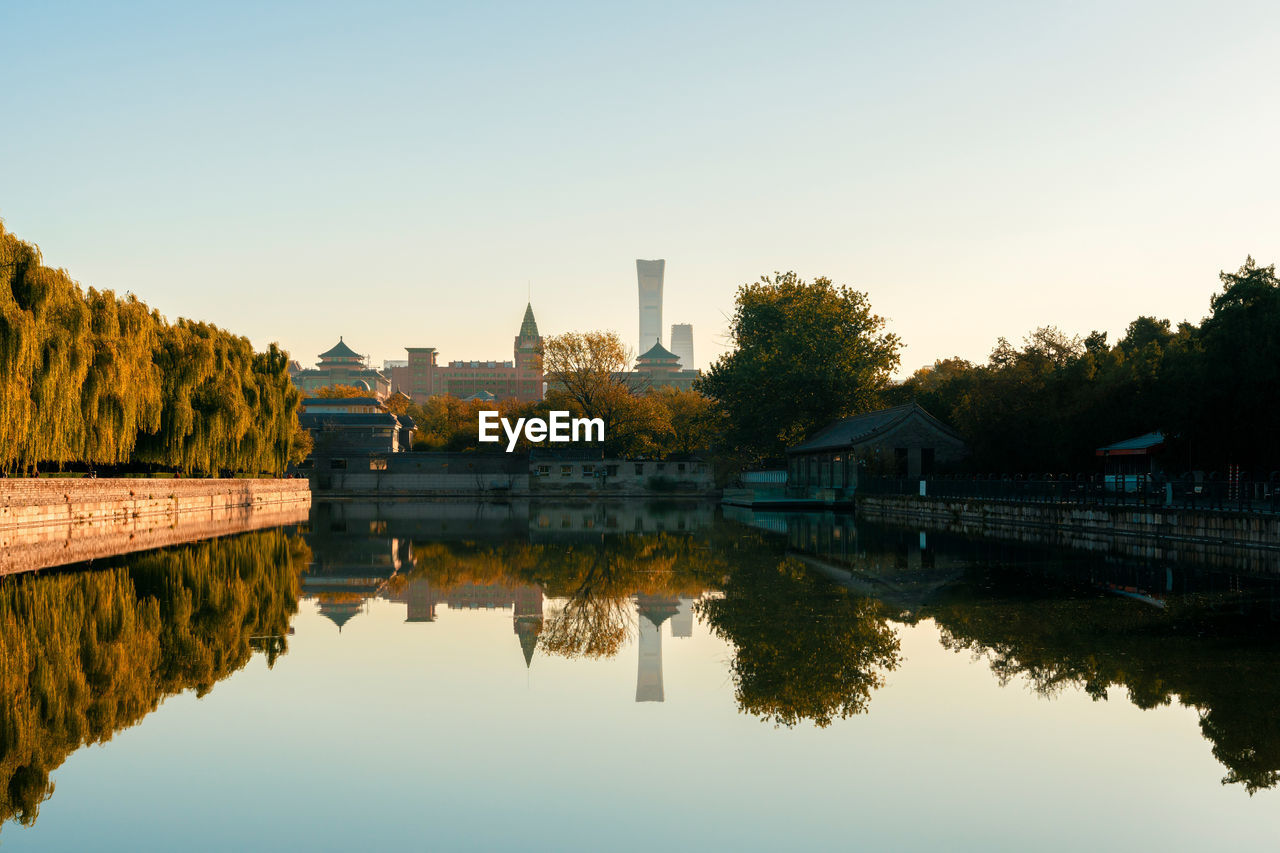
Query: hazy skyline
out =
(399, 175)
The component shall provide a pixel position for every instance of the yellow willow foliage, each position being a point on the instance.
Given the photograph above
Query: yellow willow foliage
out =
(93, 378)
(87, 654)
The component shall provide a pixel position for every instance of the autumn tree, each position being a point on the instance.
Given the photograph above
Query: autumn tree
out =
(90, 378)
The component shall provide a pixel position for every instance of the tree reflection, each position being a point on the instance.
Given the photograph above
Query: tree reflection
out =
(593, 581)
(805, 649)
(1216, 653)
(89, 653)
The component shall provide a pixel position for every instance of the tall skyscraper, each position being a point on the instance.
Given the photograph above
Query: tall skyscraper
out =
(682, 344)
(650, 274)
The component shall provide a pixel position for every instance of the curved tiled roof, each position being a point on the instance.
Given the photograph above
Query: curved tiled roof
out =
(859, 428)
(658, 352)
(340, 350)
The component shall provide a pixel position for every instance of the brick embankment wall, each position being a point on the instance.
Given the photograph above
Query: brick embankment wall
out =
(54, 522)
(1142, 532)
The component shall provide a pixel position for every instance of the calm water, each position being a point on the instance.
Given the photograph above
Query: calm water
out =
(631, 677)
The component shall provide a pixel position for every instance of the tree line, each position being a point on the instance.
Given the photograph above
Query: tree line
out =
(88, 378)
(1212, 388)
(806, 353)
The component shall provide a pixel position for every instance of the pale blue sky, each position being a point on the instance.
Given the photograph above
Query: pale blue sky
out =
(396, 173)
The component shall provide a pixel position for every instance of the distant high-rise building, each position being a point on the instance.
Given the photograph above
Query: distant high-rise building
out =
(649, 274)
(653, 611)
(682, 344)
(682, 622)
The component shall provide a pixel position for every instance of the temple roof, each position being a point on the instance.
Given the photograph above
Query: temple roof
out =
(658, 352)
(529, 326)
(341, 350)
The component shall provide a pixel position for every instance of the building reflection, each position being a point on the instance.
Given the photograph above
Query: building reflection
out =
(811, 605)
(421, 599)
(652, 611)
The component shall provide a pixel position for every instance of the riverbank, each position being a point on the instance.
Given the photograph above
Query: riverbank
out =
(1211, 538)
(55, 522)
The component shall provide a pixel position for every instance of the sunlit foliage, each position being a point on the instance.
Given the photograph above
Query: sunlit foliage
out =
(87, 377)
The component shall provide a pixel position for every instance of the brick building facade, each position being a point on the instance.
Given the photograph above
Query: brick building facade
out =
(520, 379)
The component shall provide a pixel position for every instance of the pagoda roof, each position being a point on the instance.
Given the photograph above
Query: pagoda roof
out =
(341, 350)
(658, 352)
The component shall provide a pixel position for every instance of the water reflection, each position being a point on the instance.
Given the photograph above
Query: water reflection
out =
(88, 653)
(1162, 631)
(811, 611)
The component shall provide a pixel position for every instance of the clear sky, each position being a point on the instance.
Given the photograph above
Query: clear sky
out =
(400, 173)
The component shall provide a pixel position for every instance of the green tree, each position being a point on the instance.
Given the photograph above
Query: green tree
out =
(804, 354)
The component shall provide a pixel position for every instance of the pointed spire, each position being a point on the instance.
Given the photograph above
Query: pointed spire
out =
(527, 630)
(529, 326)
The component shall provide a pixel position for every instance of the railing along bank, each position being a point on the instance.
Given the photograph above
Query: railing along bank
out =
(1138, 491)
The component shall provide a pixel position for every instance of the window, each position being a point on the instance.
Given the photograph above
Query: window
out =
(639, 469)
(588, 470)
(566, 470)
(611, 470)
(680, 467)
(377, 464)
(662, 466)
(543, 471)
(337, 463)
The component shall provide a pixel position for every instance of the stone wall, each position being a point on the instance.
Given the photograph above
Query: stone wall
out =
(502, 475)
(57, 521)
(1249, 541)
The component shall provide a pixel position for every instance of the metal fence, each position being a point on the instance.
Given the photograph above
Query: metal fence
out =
(1086, 490)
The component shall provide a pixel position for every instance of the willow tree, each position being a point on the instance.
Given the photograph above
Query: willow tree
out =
(88, 377)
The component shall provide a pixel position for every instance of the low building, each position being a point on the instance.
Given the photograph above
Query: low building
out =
(1129, 463)
(904, 441)
(342, 365)
(354, 425)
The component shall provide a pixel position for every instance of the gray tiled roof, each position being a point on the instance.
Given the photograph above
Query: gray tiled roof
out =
(859, 428)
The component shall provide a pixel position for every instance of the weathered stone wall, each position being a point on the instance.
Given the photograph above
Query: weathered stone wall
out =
(56, 521)
(1138, 532)
(59, 500)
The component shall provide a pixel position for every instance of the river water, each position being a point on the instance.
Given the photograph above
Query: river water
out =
(634, 677)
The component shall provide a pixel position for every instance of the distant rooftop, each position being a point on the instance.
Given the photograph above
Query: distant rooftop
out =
(341, 350)
(658, 352)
